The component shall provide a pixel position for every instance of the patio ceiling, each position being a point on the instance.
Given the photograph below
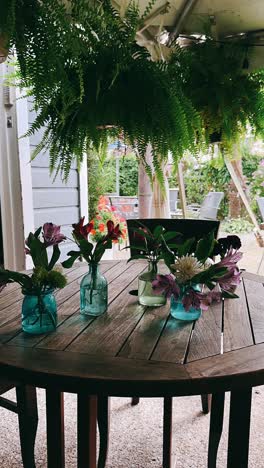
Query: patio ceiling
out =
(224, 17)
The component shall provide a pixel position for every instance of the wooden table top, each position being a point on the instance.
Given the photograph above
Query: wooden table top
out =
(134, 350)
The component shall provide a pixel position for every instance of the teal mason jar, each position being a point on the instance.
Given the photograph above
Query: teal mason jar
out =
(39, 312)
(178, 311)
(93, 292)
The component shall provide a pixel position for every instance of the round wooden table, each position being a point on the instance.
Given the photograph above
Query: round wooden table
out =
(136, 351)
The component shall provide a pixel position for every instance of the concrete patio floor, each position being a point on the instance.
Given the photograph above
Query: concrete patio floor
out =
(136, 432)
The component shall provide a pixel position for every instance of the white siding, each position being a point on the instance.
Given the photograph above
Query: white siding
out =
(53, 200)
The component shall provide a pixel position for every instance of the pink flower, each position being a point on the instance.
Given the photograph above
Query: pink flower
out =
(208, 298)
(52, 234)
(165, 284)
(230, 280)
(230, 259)
(191, 299)
(261, 162)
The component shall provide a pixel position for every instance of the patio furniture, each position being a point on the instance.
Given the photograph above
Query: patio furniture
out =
(260, 202)
(209, 207)
(173, 199)
(116, 355)
(26, 409)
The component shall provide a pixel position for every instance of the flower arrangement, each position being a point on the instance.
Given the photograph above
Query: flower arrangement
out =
(100, 221)
(39, 308)
(45, 275)
(190, 270)
(87, 250)
(94, 288)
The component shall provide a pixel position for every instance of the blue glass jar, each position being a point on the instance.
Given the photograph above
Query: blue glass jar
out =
(94, 292)
(39, 312)
(178, 311)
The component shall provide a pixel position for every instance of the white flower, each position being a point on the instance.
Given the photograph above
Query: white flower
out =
(186, 267)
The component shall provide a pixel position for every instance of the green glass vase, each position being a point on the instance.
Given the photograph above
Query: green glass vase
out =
(146, 295)
(93, 292)
(39, 312)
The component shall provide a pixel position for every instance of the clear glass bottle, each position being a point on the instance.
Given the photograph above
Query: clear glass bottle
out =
(94, 292)
(39, 312)
(146, 295)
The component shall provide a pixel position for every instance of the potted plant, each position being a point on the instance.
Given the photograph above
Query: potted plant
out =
(108, 88)
(94, 287)
(195, 281)
(39, 309)
(227, 97)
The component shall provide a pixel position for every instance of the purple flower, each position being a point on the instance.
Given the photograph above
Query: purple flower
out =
(230, 279)
(52, 234)
(230, 259)
(191, 299)
(165, 284)
(199, 300)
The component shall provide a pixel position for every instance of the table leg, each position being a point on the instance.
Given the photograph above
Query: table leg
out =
(206, 403)
(87, 420)
(103, 418)
(216, 427)
(167, 432)
(28, 422)
(239, 428)
(55, 429)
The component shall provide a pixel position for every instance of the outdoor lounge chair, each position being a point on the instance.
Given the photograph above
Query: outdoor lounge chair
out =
(26, 409)
(209, 207)
(260, 202)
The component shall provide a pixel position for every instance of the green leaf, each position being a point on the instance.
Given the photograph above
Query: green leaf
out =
(185, 248)
(38, 251)
(73, 255)
(55, 257)
(205, 247)
(37, 232)
(229, 295)
(158, 231)
(171, 235)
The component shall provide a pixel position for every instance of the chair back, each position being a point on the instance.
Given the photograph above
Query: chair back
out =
(173, 198)
(210, 205)
(188, 228)
(260, 202)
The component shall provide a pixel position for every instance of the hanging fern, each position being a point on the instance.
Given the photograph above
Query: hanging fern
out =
(90, 79)
(227, 97)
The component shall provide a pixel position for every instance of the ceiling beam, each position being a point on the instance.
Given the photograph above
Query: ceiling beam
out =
(181, 17)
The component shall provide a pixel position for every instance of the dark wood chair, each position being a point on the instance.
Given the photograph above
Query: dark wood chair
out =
(26, 409)
(187, 228)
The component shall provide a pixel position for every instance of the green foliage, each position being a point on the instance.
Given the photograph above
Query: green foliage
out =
(236, 226)
(91, 79)
(225, 95)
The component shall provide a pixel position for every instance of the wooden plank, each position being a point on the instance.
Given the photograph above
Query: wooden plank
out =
(261, 267)
(206, 336)
(57, 216)
(55, 197)
(255, 299)
(106, 335)
(182, 190)
(75, 325)
(141, 343)
(237, 329)
(253, 277)
(173, 343)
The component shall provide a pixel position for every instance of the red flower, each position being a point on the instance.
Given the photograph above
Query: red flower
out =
(113, 231)
(80, 230)
(101, 227)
